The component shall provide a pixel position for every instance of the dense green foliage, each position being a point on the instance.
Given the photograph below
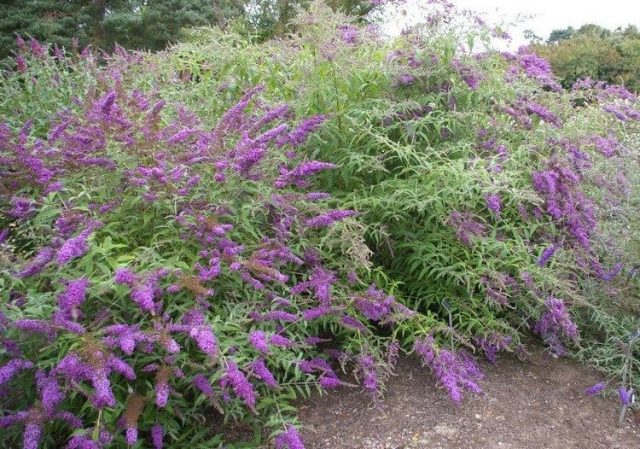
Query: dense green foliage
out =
(595, 52)
(185, 206)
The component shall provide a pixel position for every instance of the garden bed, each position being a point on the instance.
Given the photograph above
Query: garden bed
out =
(538, 403)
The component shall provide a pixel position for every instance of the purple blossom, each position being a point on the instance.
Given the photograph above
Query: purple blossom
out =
(298, 176)
(608, 147)
(73, 248)
(493, 202)
(329, 382)
(492, 344)
(143, 296)
(555, 323)
(353, 323)
(455, 371)
(280, 315)
(12, 368)
(625, 396)
(35, 326)
(406, 79)
(202, 384)
(32, 435)
(466, 226)
(38, 263)
(81, 442)
(280, 340)
(156, 436)
(234, 378)
(50, 393)
(349, 34)
(542, 112)
(547, 254)
(315, 313)
(468, 74)
(329, 218)
(289, 439)
(260, 369)
(73, 296)
(258, 340)
(162, 392)
(131, 435)
(205, 339)
(299, 135)
(595, 389)
(375, 304)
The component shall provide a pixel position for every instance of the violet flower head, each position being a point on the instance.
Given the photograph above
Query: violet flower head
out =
(375, 304)
(74, 247)
(205, 339)
(626, 396)
(13, 367)
(299, 175)
(353, 323)
(82, 442)
(542, 112)
(32, 435)
(162, 386)
(554, 324)
(595, 389)
(38, 263)
(124, 276)
(236, 379)
(202, 384)
(73, 296)
(547, 254)
(50, 393)
(494, 204)
(455, 371)
(299, 135)
(261, 370)
(406, 79)
(289, 439)
(349, 34)
(329, 218)
(156, 436)
(258, 340)
(466, 226)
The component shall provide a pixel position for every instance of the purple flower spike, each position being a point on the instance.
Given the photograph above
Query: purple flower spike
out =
(290, 439)
(156, 436)
(236, 379)
(494, 203)
(626, 396)
(547, 254)
(595, 389)
(12, 368)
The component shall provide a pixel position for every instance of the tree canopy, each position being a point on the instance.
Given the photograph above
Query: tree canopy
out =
(594, 52)
(147, 24)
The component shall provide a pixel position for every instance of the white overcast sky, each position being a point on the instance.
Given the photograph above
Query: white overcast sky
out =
(553, 14)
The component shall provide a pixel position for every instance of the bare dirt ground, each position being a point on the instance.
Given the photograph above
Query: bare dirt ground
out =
(526, 405)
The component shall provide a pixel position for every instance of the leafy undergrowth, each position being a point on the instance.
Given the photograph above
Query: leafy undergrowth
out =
(209, 232)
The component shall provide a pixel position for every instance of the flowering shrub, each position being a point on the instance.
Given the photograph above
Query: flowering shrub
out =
(175, 249)
(491, 197)
(156, 270)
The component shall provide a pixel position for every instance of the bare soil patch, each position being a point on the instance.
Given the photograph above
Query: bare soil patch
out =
(535, 404)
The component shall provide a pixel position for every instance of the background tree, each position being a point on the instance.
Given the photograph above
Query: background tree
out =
(146, 24)
(595, 52)
(51, 20)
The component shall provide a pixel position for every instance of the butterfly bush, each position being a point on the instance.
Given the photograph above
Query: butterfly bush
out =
(158, 265)
(168, 264)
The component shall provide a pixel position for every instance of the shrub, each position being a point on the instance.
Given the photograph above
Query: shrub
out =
(176, 245)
